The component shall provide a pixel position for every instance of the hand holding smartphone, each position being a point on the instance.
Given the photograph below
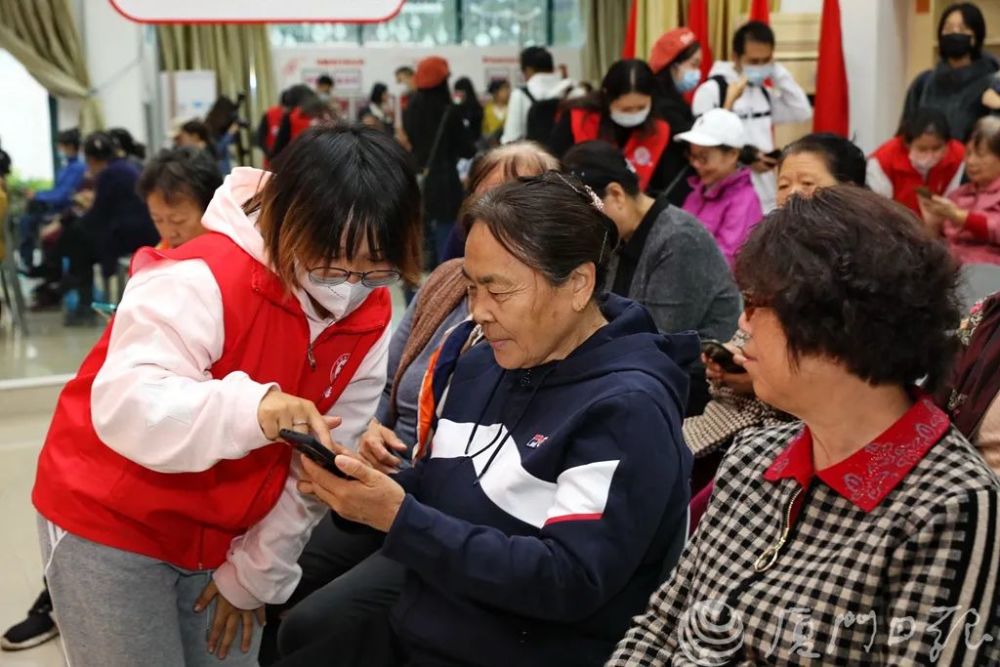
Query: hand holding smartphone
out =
(720, 354)
(314, 449)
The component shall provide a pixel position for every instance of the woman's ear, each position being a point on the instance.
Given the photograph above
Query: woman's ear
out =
(582, 283)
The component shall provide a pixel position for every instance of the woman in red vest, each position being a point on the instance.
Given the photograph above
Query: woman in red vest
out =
(621, 113)
(168, 513)
(922, 155)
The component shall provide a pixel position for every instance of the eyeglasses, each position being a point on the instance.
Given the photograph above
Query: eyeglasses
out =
(332, 276)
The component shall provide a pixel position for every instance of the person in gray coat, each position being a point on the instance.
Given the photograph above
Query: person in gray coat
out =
(667, 261)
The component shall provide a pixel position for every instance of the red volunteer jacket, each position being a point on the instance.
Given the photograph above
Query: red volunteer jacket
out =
(894, 158)
(189, 519)
(643, 150)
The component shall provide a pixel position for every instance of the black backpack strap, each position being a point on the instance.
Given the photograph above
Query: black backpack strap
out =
(524, 89)
(723, 85)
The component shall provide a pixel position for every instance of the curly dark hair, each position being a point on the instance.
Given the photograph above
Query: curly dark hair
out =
(854, 276)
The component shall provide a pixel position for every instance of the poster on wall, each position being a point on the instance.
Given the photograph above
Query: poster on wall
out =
(185, 95)
(259, 11)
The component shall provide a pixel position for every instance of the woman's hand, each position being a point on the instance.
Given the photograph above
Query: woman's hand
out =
(278, 410)
(947, 209)
(376, 446)
(738, 382)
(227, 621)
(371, 497)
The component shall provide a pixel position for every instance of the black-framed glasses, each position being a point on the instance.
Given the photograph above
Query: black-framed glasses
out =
(332, 276)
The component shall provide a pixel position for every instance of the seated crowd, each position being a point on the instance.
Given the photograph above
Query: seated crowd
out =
(665, 396)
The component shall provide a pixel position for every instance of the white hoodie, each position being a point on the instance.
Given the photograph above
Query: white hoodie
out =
(154, 400)
(542, 86)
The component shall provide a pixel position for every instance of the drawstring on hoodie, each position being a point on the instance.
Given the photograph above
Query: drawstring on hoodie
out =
(525, 382)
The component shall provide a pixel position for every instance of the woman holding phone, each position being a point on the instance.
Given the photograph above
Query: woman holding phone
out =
(160, 472)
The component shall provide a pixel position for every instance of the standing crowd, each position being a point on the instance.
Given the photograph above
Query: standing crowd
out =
(663, 393)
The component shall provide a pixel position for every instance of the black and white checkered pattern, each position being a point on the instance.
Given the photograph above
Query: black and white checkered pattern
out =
(927, 556)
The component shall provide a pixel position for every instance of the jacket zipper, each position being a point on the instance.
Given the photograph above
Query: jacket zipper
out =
(310, 357)
(787, 535)
(770, 555)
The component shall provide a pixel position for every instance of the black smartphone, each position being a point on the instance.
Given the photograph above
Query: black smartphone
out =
(314, 449)
(774, 155)
(925, 192)
(721, 355)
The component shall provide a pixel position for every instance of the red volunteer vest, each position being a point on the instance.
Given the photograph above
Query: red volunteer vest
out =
(894, 158)
(189, 519)
(643, 150)
(299, 122)
(274, 116)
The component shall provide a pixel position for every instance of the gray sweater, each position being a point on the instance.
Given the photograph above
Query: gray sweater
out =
(683, 279)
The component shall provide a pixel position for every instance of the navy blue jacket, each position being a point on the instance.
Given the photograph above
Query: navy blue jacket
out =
(68, 180)
(118, 218)
(542, 517)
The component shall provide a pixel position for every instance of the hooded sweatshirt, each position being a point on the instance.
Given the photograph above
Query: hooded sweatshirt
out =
(155, 403)
(784, 102)
(550, 503)
(542, 86)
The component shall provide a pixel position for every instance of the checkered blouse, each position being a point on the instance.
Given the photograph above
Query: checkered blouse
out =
(892, 557)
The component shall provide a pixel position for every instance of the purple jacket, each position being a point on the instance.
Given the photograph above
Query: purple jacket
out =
(728, 209)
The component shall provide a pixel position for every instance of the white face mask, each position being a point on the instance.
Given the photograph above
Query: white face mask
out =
(339, 300)
(924, 162)
(634, 119)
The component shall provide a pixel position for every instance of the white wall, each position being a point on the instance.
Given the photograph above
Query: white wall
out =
(24, 120)
(875, 56)
(114, 51)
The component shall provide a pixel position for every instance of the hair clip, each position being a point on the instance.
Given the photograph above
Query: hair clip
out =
(594, 199)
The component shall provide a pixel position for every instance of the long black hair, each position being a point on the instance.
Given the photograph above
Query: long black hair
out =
(623, 77)
(973, 18)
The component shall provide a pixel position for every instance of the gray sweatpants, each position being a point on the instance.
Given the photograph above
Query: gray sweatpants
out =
(116, 608)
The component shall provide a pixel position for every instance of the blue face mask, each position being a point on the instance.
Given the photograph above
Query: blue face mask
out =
(689, 80)
(757, 74)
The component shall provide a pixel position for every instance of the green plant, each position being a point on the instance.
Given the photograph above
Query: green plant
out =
(18, 188)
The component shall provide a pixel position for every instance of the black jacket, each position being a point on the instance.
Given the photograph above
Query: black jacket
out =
(428, 110)
(955, 92)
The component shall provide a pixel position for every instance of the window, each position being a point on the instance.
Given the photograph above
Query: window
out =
(419, 23)
(436, 22)
(292, 34)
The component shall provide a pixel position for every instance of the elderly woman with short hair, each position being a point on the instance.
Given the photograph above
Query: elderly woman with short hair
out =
(866, 533)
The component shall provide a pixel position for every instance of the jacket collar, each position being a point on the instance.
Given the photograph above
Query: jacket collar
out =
(738, 178)
(866, 477)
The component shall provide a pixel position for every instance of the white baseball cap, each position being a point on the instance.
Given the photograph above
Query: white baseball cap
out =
(716, 127)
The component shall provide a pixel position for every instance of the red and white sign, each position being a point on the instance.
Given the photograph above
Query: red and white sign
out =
(257, 11)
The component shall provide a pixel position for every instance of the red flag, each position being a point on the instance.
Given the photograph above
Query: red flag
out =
(628, 50)
(832, 112)
(698, 22)
(760, 11)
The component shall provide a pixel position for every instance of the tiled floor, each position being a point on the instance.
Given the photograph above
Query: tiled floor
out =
(48, 349)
